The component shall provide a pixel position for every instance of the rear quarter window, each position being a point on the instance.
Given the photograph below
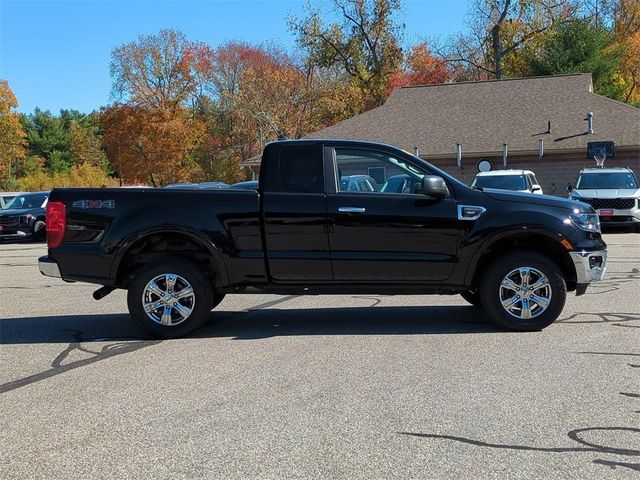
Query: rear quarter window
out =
(294, 169)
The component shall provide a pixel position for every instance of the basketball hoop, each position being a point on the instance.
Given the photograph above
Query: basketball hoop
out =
(600, 155)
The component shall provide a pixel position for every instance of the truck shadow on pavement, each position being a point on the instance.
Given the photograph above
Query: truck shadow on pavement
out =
(260, 323)
(265, 323)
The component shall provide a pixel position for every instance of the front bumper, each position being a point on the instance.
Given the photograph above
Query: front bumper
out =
(590, 266)
(619, 218)
(49, 267)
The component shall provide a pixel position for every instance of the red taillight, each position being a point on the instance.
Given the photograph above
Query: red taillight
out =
(56, 223)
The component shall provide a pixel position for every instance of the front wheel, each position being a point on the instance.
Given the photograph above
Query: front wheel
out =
(523, 291)
(169, 298)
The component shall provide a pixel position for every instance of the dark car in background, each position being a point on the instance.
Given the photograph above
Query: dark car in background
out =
(6, 197)
(24, 217)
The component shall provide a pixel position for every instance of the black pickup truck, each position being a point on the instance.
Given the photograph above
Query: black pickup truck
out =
(178, 252)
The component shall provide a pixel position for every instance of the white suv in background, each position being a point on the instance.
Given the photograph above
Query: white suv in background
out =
(613, 192)
(517, 180)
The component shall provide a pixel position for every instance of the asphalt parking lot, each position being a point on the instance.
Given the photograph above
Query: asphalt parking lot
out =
(318, 387)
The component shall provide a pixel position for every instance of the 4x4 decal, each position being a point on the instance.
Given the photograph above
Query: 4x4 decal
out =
(94, 204)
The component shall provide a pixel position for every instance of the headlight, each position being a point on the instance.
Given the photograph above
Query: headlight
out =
(585, 220)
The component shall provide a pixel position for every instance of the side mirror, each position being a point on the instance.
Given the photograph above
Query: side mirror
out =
(569, 188)
(434, 187)
(536, 188)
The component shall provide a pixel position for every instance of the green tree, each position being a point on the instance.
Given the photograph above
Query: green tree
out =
(47, 139)
(579, 46)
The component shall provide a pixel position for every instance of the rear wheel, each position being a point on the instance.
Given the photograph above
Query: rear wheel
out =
(169, 298)
(473, 297)
(523, 291)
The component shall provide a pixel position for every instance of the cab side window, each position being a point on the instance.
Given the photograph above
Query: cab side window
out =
(297, 169)
(356, 168)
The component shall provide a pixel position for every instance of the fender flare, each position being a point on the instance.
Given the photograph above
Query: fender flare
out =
(511, 232)
(123, 247)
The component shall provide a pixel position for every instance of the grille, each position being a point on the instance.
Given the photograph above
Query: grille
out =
(8, 221)
(612, 203)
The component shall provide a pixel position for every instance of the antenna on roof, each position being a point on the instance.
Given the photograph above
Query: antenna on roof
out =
(282, 137)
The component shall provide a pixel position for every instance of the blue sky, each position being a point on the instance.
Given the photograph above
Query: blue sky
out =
(55, 54)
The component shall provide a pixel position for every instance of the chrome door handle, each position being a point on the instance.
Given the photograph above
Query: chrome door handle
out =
(352, 209)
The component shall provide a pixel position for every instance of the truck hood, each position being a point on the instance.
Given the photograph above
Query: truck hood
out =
(532, 198)
(13, 213)
(607, 193)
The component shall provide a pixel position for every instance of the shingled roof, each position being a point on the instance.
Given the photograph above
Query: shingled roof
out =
(481, 116)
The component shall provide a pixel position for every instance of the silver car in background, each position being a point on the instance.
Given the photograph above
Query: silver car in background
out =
(613, 192)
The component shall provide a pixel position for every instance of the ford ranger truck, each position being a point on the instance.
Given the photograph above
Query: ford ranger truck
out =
(178, 252)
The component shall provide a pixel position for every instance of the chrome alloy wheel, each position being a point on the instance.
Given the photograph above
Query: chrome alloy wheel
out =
(525, 293)
(168, 299)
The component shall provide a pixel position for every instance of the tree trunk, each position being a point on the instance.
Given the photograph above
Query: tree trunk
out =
(497, 50)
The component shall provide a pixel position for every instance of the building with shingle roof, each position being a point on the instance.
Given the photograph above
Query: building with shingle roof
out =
(540, 124)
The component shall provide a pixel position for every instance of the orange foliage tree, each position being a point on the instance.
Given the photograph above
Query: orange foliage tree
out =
(151, 145)
(626, 16)
(423, 68)
(155, 71)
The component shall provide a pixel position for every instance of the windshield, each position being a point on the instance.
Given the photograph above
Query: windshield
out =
(26, 202)
(605, 180)
(502, 182)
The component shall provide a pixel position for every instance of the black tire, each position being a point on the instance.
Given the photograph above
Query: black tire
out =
(198, 304)
(473, 297)
(636, 228)
(492, 291)
(39, 231)
(217, 299)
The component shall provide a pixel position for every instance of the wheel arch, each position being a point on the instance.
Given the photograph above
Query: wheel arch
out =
(146, 245)
(540, 241)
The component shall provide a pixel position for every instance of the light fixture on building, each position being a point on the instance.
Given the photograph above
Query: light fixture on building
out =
(459, 155)
(541, 148)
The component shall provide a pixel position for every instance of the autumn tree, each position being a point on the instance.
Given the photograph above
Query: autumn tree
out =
(249, 95)
(422, 68)
(85, 146)
(364, 44)
(625, 15)
(151, 145)
(12, 136)
(154, 72)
